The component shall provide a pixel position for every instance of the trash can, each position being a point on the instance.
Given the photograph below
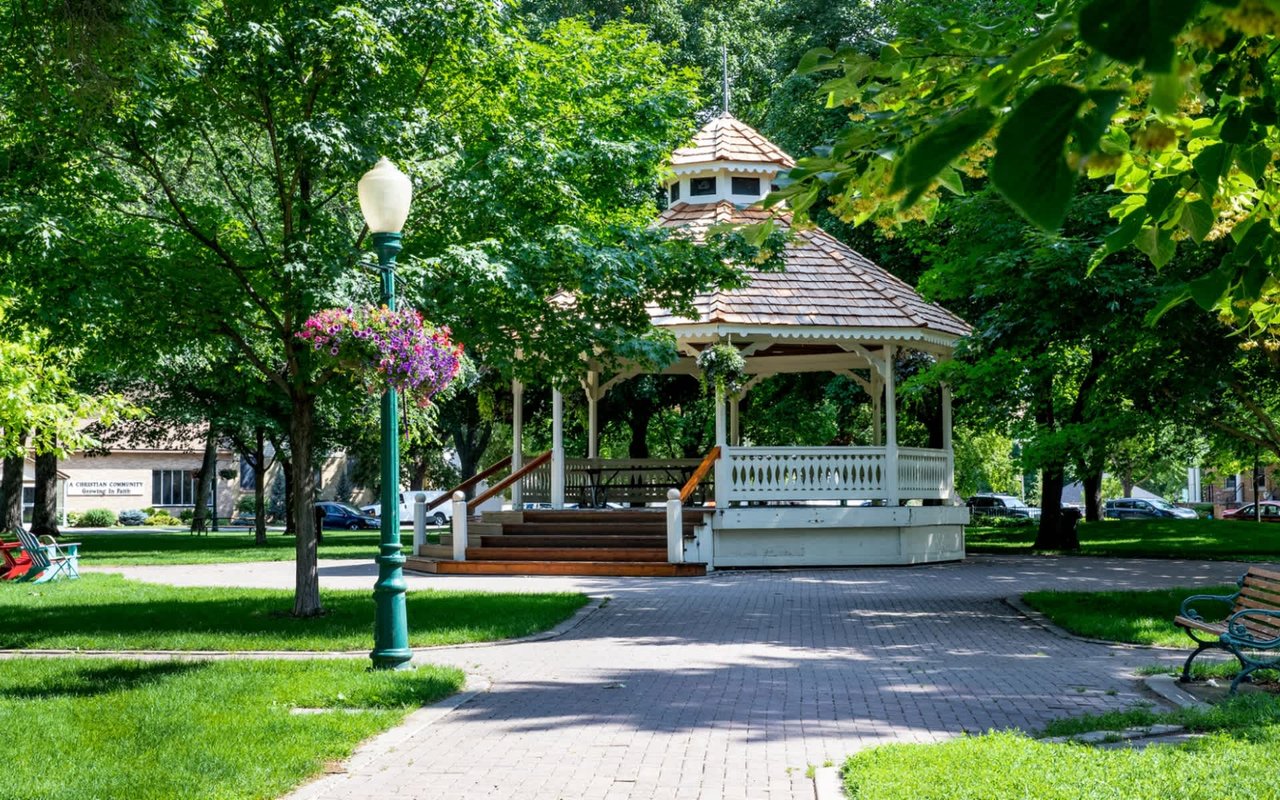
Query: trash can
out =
(1069, 527)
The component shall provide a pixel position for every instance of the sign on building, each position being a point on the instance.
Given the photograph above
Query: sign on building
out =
(103, 488)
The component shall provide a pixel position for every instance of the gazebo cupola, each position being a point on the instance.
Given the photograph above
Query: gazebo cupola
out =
(726, 162)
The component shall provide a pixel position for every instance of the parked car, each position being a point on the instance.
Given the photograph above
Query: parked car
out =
(438, 516)
(1270, 512)
(1146, 508)
(1001, 505)
(344, 515)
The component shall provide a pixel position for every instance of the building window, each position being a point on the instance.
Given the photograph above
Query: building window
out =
(675, 191)
(246, 474)
(702, 186)
(747, 186)
(28, 495)
(173, 487)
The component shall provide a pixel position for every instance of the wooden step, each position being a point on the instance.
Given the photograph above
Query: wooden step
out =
(488, 553)
(601, 528)
(584, 568)
(436, 551)
(483, 528)
(596, 542)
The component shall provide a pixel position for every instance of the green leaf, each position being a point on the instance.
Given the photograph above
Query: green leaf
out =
(1134, 31)
(1166, 91)
(1158, 244)
(935, 149)
(1253, 161)
(1173, 298)
(1210, 164)
(1159, 196)
(1095, 122)
(1197, 219)
(994, 88)
(1029, 168)
(1209, 288)
(951, 180)
(1253, 279)
(1235, 129)
(814, 60)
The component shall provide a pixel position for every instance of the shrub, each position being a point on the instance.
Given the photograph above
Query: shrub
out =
(96, 518)
(132, 517)
(246, 504)
(187, 514)
(73, 517)
(163, 517)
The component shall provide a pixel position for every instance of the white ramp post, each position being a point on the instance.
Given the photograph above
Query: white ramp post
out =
(675, 527)
(419, 522)
(459, 526)
(557, 449)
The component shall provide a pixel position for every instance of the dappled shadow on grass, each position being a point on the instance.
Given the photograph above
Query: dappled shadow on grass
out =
(109, 612)
(169, 547)
(92, 680)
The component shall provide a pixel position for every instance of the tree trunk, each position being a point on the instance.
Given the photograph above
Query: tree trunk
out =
(200, 519)
(290, 518)
(1052, 534)
(1126, 480)
(306, 598)
(259, 490)
(11, 488)
(1093, 496)
(44, 515)
(470, 444)
(638, 447)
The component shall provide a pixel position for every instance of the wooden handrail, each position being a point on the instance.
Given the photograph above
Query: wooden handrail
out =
(469, 482)
(698, 474)
(497, 489)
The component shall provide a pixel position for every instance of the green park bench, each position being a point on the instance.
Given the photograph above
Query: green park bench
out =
(1250, 632)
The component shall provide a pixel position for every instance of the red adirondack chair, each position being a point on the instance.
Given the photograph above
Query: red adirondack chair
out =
(16, 560)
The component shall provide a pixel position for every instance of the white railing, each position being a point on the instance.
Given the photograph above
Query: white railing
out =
(832, 473)
(597, 481)
(805, 473)
(922, 473)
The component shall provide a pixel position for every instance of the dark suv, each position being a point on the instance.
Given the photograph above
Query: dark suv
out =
(1146, 508)
(1001, 505)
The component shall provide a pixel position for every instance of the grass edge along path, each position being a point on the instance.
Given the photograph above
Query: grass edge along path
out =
(1132, 617)
(172, 730)
(109, 612)
(1241, 733)
(132, 547)
(1143, 538)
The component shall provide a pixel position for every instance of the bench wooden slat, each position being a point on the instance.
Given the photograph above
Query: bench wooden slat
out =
(1216, 628)
(1262, 572)
(1252, 598)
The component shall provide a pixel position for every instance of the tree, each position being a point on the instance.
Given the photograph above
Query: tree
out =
(220, 141)
(1176, 106)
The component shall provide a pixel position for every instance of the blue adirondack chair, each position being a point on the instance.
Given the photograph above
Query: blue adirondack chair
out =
(49, 560)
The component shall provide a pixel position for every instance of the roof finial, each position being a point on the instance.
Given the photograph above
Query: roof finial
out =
(724, 58)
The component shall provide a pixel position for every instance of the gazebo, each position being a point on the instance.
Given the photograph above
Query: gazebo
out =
(831, 310)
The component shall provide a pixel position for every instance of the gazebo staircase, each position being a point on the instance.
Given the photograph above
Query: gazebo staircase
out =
(606, 542)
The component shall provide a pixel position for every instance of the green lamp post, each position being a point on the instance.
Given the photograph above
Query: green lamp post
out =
(385, 193)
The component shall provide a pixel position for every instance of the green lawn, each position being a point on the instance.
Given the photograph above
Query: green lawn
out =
(112, 548)
(1203, 538)
(76, 729)
(108, 612)
(1138, 617)
(1241, 736)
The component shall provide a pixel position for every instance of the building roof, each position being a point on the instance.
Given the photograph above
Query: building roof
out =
(726, 139)
(826, 284)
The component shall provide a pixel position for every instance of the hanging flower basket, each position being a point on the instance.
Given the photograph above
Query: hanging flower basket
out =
(722, 367)
(385, 349)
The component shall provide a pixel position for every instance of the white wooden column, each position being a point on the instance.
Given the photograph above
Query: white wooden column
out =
(735, 428)
(891, 495)
(877, 392)
(722, 463)
(517, 440)
(946, 441)
(557, 449)
(593, 397)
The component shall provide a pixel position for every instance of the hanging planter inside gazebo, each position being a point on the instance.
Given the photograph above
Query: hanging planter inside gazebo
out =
(723, 368)
(385, 349)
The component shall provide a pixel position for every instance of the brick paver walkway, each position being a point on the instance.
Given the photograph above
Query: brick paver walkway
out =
(730, 686)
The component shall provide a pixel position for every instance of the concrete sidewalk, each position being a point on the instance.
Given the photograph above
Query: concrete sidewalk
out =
(730, 686)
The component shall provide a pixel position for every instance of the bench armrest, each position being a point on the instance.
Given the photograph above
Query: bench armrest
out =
(1239, 633)
(1190, 613)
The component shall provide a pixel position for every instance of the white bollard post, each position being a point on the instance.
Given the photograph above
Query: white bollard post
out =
(459, 526)
(675, 527)
(419, 522)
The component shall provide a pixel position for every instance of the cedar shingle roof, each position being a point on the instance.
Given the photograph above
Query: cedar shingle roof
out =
(826, 283)
(726, 139)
